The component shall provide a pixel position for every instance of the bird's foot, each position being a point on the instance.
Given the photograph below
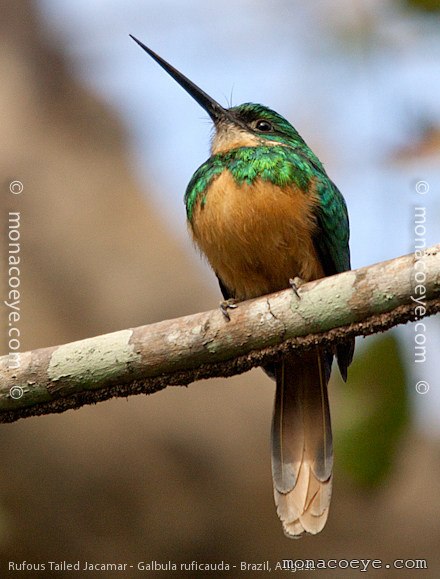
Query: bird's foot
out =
(226, 305)
(295, 284)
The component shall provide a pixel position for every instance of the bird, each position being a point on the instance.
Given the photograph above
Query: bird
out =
(264, 212)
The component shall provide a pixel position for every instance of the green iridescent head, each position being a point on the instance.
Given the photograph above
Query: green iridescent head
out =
(266, 123)
(253, 120)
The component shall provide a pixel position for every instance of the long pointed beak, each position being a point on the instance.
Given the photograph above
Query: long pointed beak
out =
(212, 107)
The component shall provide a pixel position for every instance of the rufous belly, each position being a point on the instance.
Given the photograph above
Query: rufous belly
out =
(256, 236)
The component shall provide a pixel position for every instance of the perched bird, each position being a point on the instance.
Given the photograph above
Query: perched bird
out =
(263, 211)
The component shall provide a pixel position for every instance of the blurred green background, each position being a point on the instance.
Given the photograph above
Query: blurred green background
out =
(104, 143)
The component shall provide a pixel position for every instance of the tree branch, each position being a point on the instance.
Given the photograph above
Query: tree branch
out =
(176, 352)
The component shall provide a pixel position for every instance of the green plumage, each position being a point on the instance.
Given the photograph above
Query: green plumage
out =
(294, 163)
(278, 165)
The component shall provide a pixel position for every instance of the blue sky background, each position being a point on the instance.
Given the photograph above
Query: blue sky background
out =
(359, 80)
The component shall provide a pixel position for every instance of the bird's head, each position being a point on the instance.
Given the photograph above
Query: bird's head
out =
(246, 125)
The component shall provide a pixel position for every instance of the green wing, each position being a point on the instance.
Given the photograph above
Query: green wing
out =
(332, 236)
(331, 242)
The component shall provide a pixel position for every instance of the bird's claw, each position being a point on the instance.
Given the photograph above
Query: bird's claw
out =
(295, 284)
(226, 305)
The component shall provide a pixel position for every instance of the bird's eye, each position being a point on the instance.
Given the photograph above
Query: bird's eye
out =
(263, 126)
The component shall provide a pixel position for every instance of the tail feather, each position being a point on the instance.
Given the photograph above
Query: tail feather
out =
(286, 450)
(302, 452)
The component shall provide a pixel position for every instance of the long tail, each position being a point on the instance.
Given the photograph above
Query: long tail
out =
(302, 452)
